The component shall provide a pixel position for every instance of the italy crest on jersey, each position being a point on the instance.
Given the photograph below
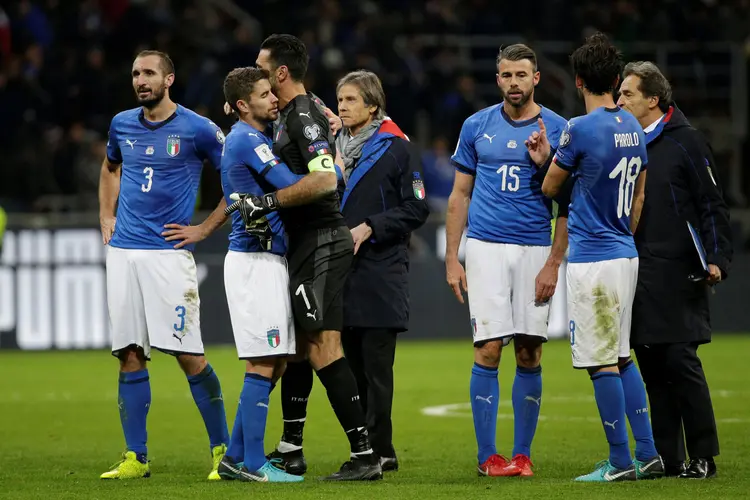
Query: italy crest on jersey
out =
(273, 337)
(418, 186)
(173, 145)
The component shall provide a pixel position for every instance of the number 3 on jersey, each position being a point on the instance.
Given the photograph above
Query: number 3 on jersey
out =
(628, 171)
(149, 175)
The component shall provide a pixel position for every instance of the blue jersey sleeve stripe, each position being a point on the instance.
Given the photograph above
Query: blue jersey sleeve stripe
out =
(550, 158)
(266, 169)
(461, 168)
(563, 165)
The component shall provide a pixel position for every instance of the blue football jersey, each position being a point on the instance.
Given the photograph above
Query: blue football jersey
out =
(248, 165)
(507, 204)
(161, 167)
(605, 150)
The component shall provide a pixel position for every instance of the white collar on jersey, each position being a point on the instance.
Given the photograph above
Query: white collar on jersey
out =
(651, 127)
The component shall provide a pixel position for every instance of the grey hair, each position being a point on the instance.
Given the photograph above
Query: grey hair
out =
(653, 82)
(370, 88)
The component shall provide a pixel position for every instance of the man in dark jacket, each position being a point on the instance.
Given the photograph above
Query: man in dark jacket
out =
(670, 312)
(383, 203)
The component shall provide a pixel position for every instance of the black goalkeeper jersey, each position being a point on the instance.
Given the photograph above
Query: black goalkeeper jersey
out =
(303, 140)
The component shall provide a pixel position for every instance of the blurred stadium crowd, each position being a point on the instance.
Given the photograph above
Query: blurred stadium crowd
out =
(66, 63)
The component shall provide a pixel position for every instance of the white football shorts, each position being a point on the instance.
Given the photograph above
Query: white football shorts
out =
(600, 307)
(257, 287)
(502, 290)
(153, 301)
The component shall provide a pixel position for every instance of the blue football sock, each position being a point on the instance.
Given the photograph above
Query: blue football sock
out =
(636, 409)
(134, 400)
(206, 391)
(254, 402)
(611, 402)
(527, 401)
(236, 448)
(484, 390)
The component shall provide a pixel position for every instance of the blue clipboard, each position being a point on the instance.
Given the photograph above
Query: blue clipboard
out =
(701, 255)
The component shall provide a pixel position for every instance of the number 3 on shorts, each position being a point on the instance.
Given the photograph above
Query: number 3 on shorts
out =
(180, 310)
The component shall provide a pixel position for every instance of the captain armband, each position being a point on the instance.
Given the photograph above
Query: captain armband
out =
(323, 163)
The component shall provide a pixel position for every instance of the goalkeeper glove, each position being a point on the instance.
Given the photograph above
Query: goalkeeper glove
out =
(261, 228)
(252, 207)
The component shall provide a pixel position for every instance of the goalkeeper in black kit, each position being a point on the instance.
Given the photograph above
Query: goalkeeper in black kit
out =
(320, 252)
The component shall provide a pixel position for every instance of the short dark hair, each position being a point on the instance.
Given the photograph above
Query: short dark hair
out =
(653, 82)
(289, 51)
(167, 66)
(240, 83)
(598, 63)
(517, 52)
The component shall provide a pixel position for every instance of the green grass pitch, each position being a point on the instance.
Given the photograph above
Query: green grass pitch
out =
(59, 430)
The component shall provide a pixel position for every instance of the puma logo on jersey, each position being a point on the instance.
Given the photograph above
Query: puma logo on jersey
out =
(130, 143)
(306, 114)
(254, 135)
(312, 315)
(487, 400)
(489, 138)
(610, 424)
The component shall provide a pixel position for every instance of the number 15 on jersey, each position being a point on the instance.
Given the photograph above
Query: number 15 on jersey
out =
(510, 180)
(627, 170)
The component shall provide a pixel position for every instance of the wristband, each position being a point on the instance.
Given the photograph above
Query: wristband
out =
(271, 201)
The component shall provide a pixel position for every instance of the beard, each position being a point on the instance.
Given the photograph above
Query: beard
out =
(267, 116)
(525, 96)
(156, 96)
(264, 115)
(274, 84)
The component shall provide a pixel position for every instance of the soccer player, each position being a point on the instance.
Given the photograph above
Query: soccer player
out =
(261, 317)
(605, 151)
(319, 254)
(154, 157)
(511, 271)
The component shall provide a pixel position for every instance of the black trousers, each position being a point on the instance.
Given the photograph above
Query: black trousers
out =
(371, 353)
(681, 409)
